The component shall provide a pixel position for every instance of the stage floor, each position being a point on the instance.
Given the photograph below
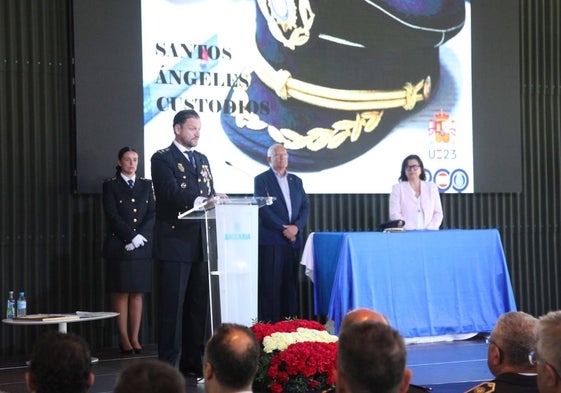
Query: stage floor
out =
(448, 367)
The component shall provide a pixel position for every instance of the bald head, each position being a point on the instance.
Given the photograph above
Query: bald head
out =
(371, 357)
(231, 359)
(361, 315)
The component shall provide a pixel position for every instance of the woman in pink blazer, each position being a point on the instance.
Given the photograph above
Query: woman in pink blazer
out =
(414, 200)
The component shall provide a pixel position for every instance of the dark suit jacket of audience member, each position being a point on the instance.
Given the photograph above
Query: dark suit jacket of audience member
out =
(508, 383)
(274, 216)
(129, 212)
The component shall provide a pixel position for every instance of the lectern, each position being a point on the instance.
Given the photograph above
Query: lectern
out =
(231, 228)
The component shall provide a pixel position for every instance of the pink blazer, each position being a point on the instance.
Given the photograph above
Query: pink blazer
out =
(403, 205)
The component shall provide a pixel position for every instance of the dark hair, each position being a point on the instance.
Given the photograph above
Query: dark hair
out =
(371, 357)
(234, 367)
(121, 154)
(183, 115)
(403, 176)
(60, 363)
(150, 376)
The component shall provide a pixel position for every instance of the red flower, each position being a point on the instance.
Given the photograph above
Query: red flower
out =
(276, 387)
(262, 330)
(302, 366)
(313, 384)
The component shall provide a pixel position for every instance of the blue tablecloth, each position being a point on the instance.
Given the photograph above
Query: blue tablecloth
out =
(428, 283)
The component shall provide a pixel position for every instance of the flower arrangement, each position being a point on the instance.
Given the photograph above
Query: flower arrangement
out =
(296, 356)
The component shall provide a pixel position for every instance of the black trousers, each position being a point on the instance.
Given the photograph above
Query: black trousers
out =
(277, 282)
(183, 314)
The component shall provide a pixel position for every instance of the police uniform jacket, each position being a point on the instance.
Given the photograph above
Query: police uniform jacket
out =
(177, 184)
(129, 212)
(273, 217)
(508, 383)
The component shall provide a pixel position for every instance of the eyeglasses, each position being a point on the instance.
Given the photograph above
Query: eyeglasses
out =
(534, 359)
(488, 341)
(412, 167)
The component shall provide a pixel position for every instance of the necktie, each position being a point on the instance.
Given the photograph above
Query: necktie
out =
(131, 183)
(191, 157)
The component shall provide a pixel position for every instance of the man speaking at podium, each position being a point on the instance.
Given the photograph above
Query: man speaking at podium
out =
(182, 179)
(280, 237)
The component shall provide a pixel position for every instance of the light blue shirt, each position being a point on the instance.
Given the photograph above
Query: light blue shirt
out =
(283, 183)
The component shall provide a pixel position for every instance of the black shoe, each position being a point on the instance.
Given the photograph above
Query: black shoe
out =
(137, 350)
(193, 379)
(126, 351)
(192, 373)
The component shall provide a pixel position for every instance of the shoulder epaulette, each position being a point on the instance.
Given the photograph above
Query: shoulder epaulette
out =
(485, 387)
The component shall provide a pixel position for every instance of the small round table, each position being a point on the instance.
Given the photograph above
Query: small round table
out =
(83, 316)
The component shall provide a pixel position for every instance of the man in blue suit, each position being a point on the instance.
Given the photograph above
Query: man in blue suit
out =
(280, 237)
(182, 179)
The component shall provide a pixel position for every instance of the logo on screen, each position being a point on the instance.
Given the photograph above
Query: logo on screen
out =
(442, 128)
(458, 180)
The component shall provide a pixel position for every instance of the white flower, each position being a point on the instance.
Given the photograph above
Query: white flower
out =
(281, 341)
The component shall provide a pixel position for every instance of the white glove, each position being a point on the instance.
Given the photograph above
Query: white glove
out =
(199, 203)
(138, 241)
(129, 247)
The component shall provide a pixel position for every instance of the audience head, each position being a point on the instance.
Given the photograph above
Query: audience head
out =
(408, 161)
(231, 359)
(512, 338)
(371, 358)
(150, 376)
(361, 315)
(60, 363)
(547, 355)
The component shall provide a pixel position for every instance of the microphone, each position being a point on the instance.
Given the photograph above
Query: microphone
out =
(238, 169)
(269, 198)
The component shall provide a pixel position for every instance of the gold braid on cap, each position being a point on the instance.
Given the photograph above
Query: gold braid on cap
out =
(315, 139)
(319, 138)
(285, 86)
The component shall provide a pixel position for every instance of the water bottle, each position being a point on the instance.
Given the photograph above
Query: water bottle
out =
(22, 305)
(11, 306)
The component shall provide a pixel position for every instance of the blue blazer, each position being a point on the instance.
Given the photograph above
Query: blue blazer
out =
(273, 217)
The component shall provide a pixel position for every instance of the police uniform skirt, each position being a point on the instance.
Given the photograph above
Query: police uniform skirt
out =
(133, 275)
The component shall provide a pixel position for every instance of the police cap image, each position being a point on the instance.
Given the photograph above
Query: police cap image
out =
(330, 78)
